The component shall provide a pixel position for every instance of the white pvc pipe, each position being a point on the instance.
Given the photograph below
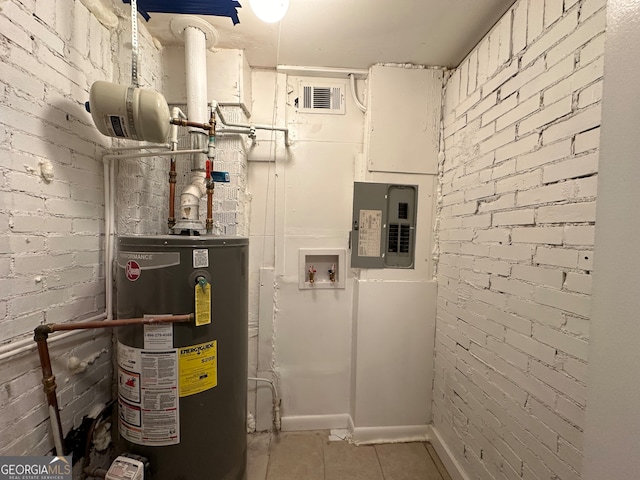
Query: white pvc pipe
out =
(175, 113)
(153, 154)
(109, 254)
(195, 55)
(108, 212)
(354, 94)
(300, 70)
(254, 126)
(144, 146)
(275, 399)
(55, 430)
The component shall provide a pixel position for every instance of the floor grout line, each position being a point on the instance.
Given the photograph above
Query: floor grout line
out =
(375, 449)
(426, 448)
(436, 471)
(266, 473)
(442, 471)
(324, 465)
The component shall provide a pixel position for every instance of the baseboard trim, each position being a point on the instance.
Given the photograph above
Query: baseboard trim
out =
(373, 435)
(350, 425)
(456, 472)
(314, 422)
(397, 434)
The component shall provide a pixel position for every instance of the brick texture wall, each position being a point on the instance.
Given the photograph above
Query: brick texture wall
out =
(142, 184)
(516, 222)
(51, 233)
(229, 199)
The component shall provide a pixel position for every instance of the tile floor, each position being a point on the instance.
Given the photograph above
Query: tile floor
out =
(311, 456)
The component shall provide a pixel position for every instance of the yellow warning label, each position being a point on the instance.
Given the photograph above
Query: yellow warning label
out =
(203, 305)
(198, 366)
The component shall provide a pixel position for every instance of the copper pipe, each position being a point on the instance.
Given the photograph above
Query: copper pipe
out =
(57, 327)
(210, 184)
(187, 123)
(41, 334)
(209, 223)
(49, 386)
(172, 194)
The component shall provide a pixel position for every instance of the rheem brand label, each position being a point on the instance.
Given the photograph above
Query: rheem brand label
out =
(135, 263)
(132, 270)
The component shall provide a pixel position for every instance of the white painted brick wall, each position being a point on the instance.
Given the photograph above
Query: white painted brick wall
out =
(51, 233)
(142, 184)
(514, 299)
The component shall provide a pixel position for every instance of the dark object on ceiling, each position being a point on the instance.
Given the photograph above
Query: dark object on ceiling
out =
(219, 8)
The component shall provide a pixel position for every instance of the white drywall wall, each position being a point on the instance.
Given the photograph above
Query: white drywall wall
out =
(313, 328)
(612, 426)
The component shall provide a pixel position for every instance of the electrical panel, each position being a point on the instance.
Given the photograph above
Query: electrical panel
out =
(384, 225)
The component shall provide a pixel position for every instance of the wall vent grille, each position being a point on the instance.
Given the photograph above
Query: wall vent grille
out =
(321, 98)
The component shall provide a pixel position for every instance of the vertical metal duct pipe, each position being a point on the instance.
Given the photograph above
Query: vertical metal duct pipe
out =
(198, 35)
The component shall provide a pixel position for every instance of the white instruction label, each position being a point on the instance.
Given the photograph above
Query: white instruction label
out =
(369, 233)
(159, 336)
(200, 258)
(148, 395)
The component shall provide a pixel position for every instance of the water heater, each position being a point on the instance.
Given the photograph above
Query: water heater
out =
(182, 388)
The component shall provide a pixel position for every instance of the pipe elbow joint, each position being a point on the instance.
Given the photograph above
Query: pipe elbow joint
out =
(191, 195)
(190, 202)
(41, 332)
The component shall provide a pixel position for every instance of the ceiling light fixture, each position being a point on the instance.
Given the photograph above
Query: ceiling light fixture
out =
(269, 11)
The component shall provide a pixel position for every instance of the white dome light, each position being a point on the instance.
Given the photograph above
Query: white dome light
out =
(269, 11)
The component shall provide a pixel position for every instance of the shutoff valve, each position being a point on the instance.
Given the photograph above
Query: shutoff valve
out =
(332, 273)
(220, 177)
(202, 282)
(312, 274)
